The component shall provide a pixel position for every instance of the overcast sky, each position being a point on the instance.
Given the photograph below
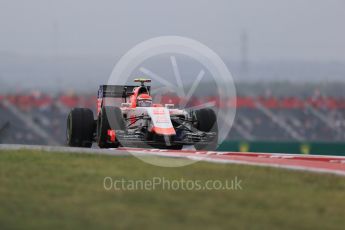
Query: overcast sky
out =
(310, 30)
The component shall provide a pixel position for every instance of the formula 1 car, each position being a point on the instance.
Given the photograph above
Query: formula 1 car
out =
(139, 123)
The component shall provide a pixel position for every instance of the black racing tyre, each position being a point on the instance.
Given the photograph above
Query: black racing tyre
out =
(80, 127)
(206, 121)
(109, 118)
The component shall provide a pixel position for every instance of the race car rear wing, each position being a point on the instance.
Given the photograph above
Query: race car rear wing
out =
(117, 91)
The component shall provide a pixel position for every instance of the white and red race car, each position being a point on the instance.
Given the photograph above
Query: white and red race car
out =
(139, 123)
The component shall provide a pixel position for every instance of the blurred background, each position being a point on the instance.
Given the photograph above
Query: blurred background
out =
(287, 59)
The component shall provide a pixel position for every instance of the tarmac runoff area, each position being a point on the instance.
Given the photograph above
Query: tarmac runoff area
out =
(312, 163)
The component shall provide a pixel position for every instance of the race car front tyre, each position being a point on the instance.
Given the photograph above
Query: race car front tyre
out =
(80, 128)
(109, 118)
(206, 121)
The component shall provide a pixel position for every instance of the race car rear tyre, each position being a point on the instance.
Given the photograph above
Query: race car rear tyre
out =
(207, 122)
(109, 118)
(80, 128)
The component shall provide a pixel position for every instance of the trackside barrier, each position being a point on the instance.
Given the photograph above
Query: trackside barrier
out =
(314, 148)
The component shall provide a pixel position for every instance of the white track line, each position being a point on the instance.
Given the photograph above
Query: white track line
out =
(290, 167)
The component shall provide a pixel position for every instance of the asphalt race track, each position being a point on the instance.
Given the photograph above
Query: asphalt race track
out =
(312, 163)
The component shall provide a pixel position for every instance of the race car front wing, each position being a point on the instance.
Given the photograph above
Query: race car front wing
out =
(182, 137)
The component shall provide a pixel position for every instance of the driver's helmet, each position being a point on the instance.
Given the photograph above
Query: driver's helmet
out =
(144, 100)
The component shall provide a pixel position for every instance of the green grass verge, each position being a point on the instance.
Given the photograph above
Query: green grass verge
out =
(40, 190)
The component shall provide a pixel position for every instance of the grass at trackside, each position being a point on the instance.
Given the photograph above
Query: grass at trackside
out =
(53, 190)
